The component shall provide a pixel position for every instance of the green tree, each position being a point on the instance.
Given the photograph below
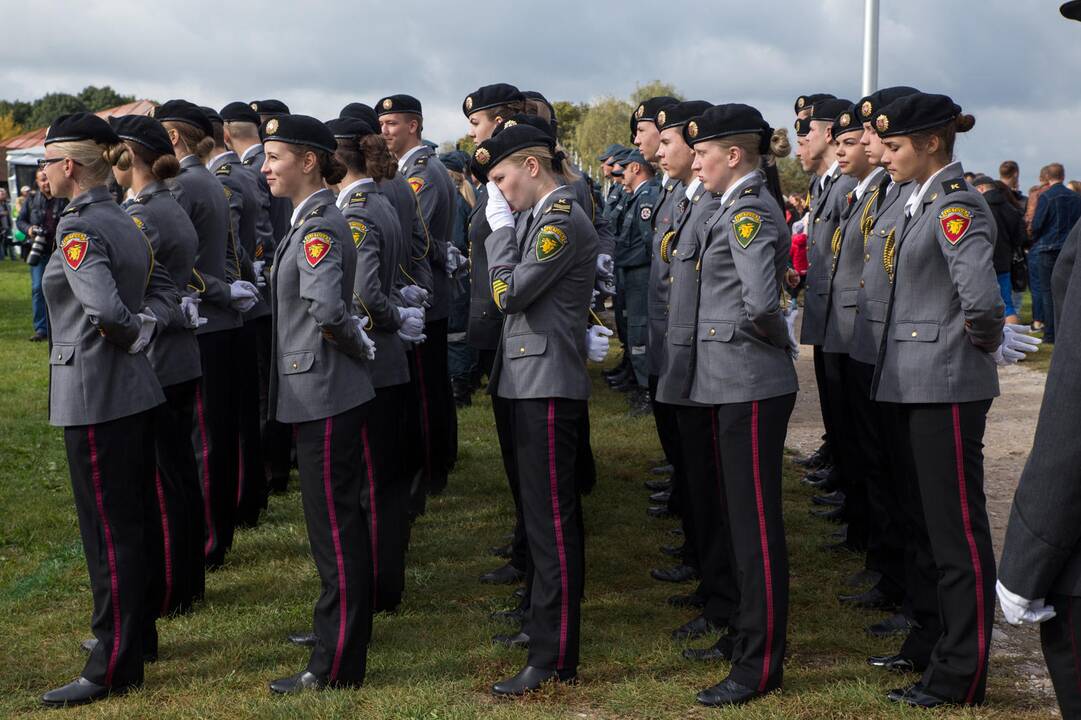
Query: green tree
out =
(569, 115)
(8, 127)
(607, 121)
(52, 106)
(97, 99)
(793, 179)
(19, 110)
(654, 88)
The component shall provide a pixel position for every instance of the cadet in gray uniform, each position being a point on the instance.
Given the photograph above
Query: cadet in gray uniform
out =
(542, 277)
(741, 360)
(944, 322)
(103, 297)
(174, 355)
(323, 385)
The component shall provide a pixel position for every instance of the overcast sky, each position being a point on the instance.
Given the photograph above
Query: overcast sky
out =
(1013, 64)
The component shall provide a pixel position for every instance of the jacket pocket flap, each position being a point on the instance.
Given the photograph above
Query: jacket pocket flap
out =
(847, 298)
(875, 311)
(709, 331)
(482, 307)
(525, 345)
(680, 334)
(297, 362)
(916, 332)
(62, 354)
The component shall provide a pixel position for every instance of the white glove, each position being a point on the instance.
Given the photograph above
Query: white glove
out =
(146, 331)
(790, 315)
(412, 324)
(605, 265)
(497, 211)
(1016, 343)
(606, 286)
(597, 342)
(1021, 610)
(455, 260)
(243, 295)
(190, 307)
(369, 345)
(415, 296)
(257, 267)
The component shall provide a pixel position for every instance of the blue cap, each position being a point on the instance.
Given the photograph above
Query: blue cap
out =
(633, 155)
(610, 151)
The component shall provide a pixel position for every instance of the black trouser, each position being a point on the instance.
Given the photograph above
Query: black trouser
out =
(216, 437)
(547, 440)
(277, 438)
(331, 461)
(751, 436)
(252, 473)
(707, 505)
(503, 412)
(823, 393)
(843, 443)
(947, 449)
(112, 478)
(179, 570)
(385, 495)
(1061, 638)
(665, 417)
(433, 403)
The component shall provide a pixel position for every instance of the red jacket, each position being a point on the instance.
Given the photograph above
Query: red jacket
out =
(799, 252)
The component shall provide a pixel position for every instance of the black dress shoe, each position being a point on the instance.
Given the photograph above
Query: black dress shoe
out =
(304, 639)
(896, 624)
(916, 696)
(517, 640)
(666, 469)
(501, 551)
(677, 531)
(873, 599)
(675, 551)
(694, 629)
(514, 615)
(659, 511)
(894, 663)
(720, 650)
(818, 475)
(841, 547)
(503, 575)
(80, 692)
(530, 679)
(658, 485)
(42, 337)
(661, 498)
(613, 371)
(677, 574)
(640, 404)
(833, 499)
(817, 459)
(863, 578)
(519, 592)
(690, 600)
(297, 683)
(834, 514)
(87, 646)
(727, 692)
(627, 384)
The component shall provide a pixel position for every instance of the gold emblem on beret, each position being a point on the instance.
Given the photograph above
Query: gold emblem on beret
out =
(469, 103)
(692, 129)
(388, 104)
(866, 108)
(509, 124)
(640, 111)
(661, 117)
(272, 126)
(845, 120)
(801, 102)
(882, 124)
(482, 156)
(255, 106)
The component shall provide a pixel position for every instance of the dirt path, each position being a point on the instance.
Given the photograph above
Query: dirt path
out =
(1007, 441)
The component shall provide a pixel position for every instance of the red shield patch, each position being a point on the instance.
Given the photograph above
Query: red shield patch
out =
(74, 246)
(955, 222)
(316, 247)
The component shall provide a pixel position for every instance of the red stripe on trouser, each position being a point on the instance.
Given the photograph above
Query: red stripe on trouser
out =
(966, 521)
(167, 542)
(110, 551)
(764, 539)
(211, 539)
(336, 538)
(371, 504)
(553, 484)
(425, 430)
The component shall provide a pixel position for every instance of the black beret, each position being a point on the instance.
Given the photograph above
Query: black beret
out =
(212, 115)
(523, 119)
(270, 107)
(348, 127)
(81, 126)
(534, 95)
(398, 104)
(648, 109)
(239, 112)
(802, 126)
(846, 122)
(185, 112)
(505, 143)
(915, 113)
(1071, 10)
(301, 130)
(144, 130)
(831, 109)
(869, 105)
(983, 180)
(681, 113)
(490, 96)
(360, 111)
(808, 101)
(723, 120)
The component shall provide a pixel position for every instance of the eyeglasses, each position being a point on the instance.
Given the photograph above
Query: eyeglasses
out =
(43, 162)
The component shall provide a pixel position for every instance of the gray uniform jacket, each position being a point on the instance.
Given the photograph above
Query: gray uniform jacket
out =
(825, 218)
(101, 275)
(174, 353)
(945, 314)
(542, 275)
(485, 319)
(664, 216)
(250, 220)
(741, 339)
(202, 198)
(415, 270)
(684, 253)
(380, 248)
(436, 199)
(849, 257)
(321, 370)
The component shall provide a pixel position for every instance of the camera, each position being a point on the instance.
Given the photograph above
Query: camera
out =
(37, 247)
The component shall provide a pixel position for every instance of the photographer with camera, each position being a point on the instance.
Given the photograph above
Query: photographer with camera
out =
(37, 220)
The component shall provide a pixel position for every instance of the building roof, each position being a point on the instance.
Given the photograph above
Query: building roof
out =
(36, 138)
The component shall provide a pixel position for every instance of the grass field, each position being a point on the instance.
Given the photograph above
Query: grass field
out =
(433, 659)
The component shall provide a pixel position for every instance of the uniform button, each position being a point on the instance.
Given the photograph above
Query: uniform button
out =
(861, 283)
(867, 257)
(914, 333)
(882, 233)
(671, 279)
(521, 349)
(818, 220)
(59, 355)
(712, 331)
(295, 366)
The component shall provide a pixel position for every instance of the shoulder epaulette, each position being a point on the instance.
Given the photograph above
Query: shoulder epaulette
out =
(72, 209)
(750, 191)
(421, 161)
(953, 185)
(358, 198)
(317, 212)
(248, 161)
(224, 169)
(560, 206)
